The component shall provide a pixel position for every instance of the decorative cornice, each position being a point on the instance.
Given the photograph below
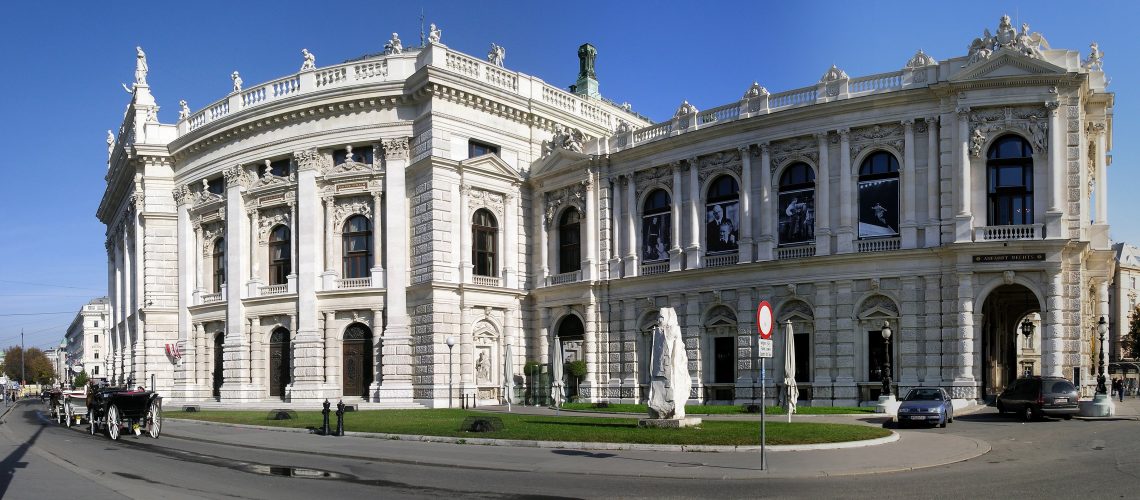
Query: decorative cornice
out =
(1031, 121)
(396, 149)
(236, 175)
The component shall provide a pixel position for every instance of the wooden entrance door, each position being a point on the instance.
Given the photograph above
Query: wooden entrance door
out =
(279, 361)
(357, 360)
(218, 342)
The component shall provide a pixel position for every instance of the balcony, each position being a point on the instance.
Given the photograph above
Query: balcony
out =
(796, 252)
(878, 245)
(486, 280)
(1014, 232)
(354, 283)
(570, 277)
(211, 297)
(654, 268)
(274, 289)
(721, 260)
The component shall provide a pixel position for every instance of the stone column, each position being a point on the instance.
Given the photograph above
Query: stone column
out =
(464, 230)
(629, 336)
(767, 206)
(201, 372)
(544, 334)
(909, 344)
(590, 383)
(331, 366)
(744, 254)
(693, 251)
(235, 356)
(1056, 168)
(964, 386)
(933, 185)
(589, 267)
(377, 238)
(631, 268)
(823, 199)
(1052, 339)
(845, 239)
(257, 357)
(510, 239)
(618, 217)
(308, 373)
(675, 252)
(908, 227)
(397, 382)
(544, 247)
(692, 335)
(1101, 174)
(185, 253)
(198, 246)
(309, 237)
(254, 287)
(963, 222)
(328, 277)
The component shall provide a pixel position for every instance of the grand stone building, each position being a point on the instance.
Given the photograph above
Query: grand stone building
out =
(85, 342)
(326, 233)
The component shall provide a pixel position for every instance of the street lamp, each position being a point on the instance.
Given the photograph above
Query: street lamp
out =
(450, 344)
(886, 331)
(1027, 327)
(1101, 330)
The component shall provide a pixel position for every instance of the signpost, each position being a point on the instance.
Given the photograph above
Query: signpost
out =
(764, 346)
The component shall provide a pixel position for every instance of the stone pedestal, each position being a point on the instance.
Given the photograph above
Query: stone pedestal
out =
(1100, 406)
(887, 404)
(669, 423)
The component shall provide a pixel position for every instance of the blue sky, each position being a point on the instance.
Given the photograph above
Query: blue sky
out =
(65, 61)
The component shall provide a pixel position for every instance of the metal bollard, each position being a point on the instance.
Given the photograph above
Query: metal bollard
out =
(325, 412)
(340, 418)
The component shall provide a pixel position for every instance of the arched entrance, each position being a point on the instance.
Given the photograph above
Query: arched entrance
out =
(1002, 340)
(357, 360)
(219, 340)
(572, 335)
(280, 359)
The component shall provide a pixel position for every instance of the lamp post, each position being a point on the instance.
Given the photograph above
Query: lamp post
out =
(450, 345)
(1101, 330)
(1027, 327)
(886, 331)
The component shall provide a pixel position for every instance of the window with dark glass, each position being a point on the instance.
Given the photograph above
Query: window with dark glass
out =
(476, 148)
(279, 168)
(484, 233)
(360, 154)
(879, 196)
(219, 264)
(656, 227)
(722, 215)
(795, 213)
(570, 241)
(279, 253)
(216, 185)
(96, 355)
(96, 370)
(1009, 182)
(96, 339)
(357, 241)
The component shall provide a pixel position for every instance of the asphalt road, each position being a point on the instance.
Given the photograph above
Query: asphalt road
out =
(1045, 459)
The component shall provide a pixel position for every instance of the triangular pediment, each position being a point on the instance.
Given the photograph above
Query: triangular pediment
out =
(1007, 63)
(556, 161)
(492, 165)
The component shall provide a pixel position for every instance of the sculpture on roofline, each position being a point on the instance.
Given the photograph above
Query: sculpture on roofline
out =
(833, 73)
(1094, 62)
(496, 55)
(141, 67)
(756, 90)
(110, 143)
(237, 81)
(434, 33)
(920, 60)
(394, 46)
(685, 109)
(1025, 43)
(310, 60)
(669, 381)
(569, 139)
(183, 110)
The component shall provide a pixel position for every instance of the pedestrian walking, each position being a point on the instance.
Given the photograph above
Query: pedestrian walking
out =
(1118, 388)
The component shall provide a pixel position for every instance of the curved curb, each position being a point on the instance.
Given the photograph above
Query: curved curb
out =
(578, 445)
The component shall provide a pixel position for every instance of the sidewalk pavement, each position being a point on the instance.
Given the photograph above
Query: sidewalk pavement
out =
(912, 450)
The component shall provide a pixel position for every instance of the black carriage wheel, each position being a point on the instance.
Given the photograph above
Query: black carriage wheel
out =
(154, 420)
(113, 423)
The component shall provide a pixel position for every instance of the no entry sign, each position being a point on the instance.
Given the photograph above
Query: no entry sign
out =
(764, 319)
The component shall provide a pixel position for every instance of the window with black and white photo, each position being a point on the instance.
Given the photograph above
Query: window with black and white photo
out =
(879, 196)
(656, 227)
(722, 215)
(796, 214)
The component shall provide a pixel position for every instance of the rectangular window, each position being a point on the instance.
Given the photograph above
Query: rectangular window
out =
(362, 154)
(724, 362)
(476, 149)
(96, 355)
(803, 359)
(216, 185)
(96, 369)
(96, 338)
(97, 321)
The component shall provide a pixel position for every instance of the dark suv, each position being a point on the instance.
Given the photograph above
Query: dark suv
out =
(1032, 397)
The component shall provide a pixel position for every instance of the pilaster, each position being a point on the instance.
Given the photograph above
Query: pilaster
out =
(397, 348)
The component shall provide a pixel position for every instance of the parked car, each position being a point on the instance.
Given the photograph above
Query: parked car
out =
(1034, 397)
(927, 405)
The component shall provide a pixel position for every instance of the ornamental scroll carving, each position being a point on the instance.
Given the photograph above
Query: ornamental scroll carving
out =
(308, 159)
(349, 165)
(803, 148)
(270, 219)
(574, 194)
(876, 135)
(396, 149)
(181, 194)
(656, 176)
(717, 163)
(478, 198)
(269, 179)
(210, 234)
(353, 205)
(1031, 121)
(236, 176)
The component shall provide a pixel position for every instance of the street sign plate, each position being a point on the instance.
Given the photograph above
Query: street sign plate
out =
(764, 319)
(765, 346)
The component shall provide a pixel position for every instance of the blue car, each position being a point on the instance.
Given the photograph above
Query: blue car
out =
(927, 405)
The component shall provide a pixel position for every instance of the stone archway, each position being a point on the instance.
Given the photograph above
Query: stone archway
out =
(280, 359)
(356, 360)
(1002, 313)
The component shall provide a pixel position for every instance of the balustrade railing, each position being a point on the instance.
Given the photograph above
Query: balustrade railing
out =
(791, 98)
(878, 245)
(721, 260)
(354, 282)
(211, 297)
(274, 289)
(1014, 232)
(796, 252)
(875, 83)
(654, 268)
(570, 277)
(486, 280)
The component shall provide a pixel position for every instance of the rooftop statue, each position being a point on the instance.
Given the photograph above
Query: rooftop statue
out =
(183, 110)
(237, 82)
(669, 381)
(920, 60)
(1094, 62)
(434, 33)
(393, 46)
(685, 109)
(1026, 43)
(587, 55)
(310, 60)
(834, 73)
(140, 67)
(756, 90)
(110, 143)
(496, 55)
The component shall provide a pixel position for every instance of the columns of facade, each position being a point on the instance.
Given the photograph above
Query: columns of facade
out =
(235, 355)
(185, 256)
(330, 344)
(254, 286)
(744, 254)
(910, 341)
(616, 225)
(463, 229)
(197, 246)
(310, 238)
(693, 251)
(908, 227)
(965, 333)
(257, 355)
(1056, 158)
(767, 206)
(933, 184)
(377, 346)
(544, 224)
(1101, 175)
(1052, 339)
(932, 330)
(510, 239)
(628, 322)
(675, 251)
(544, 334)
(823, 198)
(200, 370)
(397, 349)
(963, 222)
(590, 382)
(329, 203)
(845, 237)
(691, 332)
(466, 372)
(631, 268)
(589, 261)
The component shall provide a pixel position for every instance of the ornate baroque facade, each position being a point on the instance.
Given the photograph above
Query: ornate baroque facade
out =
(325, 234)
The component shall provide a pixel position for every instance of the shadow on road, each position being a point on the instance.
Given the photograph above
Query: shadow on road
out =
(13, 460)
(668, 463)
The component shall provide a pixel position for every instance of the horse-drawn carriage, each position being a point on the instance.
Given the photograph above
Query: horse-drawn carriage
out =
(74, 404)
(118, 409)
(53, 398)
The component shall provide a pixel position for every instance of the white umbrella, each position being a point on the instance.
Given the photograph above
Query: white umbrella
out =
(556, 385)
(793, 392)
(508, 376)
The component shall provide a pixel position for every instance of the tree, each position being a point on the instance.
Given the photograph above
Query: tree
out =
(39, 368)
(1130, 342)
(80, 380)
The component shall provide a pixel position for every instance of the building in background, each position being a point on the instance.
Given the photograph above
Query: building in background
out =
(1124, 294)
(86, 339)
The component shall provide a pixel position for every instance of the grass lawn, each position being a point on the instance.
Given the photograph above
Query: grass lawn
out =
(724, 409)
(446, 422)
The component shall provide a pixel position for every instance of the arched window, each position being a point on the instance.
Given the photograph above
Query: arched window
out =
(570, 241)
(656, 226)
(879, 196)
(219, 264)
(485, 235)
(357, 243)
(279, 256)
(796, 216)
(1009, 182)
(722, 215)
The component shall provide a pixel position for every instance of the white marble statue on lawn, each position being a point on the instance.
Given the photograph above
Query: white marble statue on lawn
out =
(669, 381)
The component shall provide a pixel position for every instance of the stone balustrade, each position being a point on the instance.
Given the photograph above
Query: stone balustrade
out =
(878, 245)
(486, 280)
(274, 289)
(721, 260)
(1014, 232)
(654, 268)
(570, 277)
(354, 282)
(796, 252)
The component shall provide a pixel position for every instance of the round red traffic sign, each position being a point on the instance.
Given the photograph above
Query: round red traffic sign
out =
(764, 319)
